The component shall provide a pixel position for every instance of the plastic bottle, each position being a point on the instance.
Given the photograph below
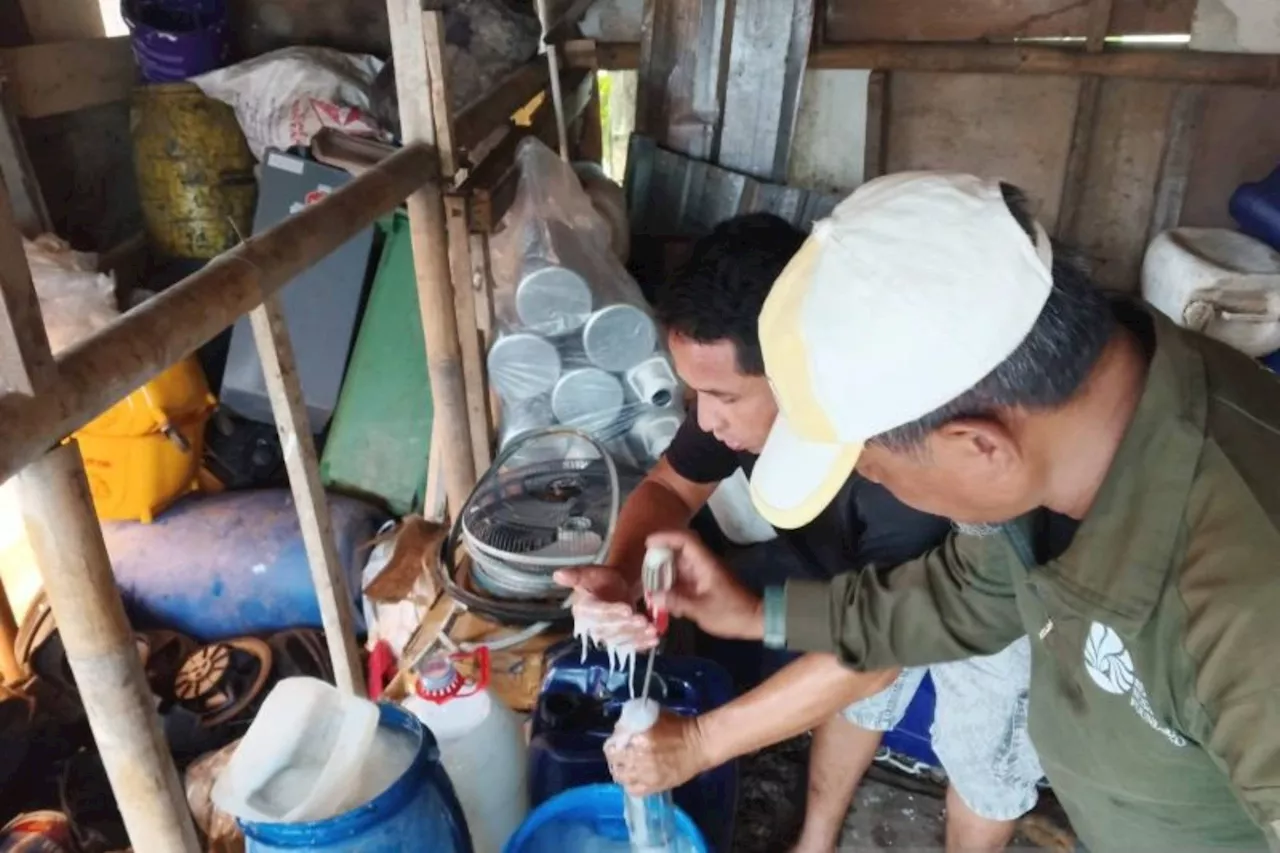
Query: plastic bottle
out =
(482, 747)
(651, 820)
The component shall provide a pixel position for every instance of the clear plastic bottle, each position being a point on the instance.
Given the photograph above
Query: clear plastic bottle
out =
(650, 820)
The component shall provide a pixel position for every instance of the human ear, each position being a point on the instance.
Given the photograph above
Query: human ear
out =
(977, 443)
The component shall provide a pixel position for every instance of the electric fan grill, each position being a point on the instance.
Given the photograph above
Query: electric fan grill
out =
(549, 502)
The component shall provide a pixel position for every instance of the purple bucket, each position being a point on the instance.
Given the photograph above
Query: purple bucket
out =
(174, 40)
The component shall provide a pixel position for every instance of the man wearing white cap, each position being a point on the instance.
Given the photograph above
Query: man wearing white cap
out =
(1113, 478)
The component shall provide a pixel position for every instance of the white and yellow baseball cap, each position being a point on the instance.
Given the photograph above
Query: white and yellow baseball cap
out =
(916, 287)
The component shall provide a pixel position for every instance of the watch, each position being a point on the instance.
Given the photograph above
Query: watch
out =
(775, 617)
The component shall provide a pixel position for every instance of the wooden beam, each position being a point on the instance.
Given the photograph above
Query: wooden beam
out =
(1188, 66)
(473, 125)
(280, 371)
(139, 345)
(441, 107)
(100, 648)
(427, 232)
(1227, 69)
(48, 79)
(1175, 164)
(26, 365)
(563, 28)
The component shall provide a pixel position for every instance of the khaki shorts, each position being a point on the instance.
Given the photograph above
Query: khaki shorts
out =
(979, 727)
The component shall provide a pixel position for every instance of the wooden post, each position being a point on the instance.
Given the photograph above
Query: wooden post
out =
(1076, 173)
(431, 255)
(16, 171)
(1175, 162)
(136, 347)
(271, 335)
(101, 651)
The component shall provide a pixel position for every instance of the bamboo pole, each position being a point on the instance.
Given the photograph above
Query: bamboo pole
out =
(430, 243)
(105, 368)
(275, 350)
(72, 557)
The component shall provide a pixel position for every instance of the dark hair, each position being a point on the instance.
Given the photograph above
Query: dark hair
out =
(1050, 364)
(720, 291)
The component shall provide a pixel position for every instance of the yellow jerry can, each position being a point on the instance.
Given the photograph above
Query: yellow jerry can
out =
(144, 452)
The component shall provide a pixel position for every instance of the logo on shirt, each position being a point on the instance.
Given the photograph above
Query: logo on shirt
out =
(1111, 668)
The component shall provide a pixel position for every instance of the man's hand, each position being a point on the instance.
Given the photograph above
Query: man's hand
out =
(665, 757)
(706, 592)
(603, 600)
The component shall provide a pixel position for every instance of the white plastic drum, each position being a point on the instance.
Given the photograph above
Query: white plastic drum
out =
(522, 366)
(619, 337)
(653, 431)
(552, 299)
(653, 381)
(587, 398)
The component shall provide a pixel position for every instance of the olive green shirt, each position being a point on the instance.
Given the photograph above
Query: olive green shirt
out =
(1155, 684)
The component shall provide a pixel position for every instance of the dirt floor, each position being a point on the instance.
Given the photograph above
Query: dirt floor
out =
(884, 816)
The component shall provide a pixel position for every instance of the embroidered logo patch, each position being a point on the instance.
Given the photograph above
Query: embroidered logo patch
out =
(1109, 665)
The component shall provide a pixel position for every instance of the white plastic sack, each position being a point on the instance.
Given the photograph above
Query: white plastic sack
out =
(1221, 283)
(285, 97)
(75, 299)
(577, 345)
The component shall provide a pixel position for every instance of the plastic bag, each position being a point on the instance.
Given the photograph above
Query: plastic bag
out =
(285, 97)
(577, 344)
(220, 828)
(75, 299)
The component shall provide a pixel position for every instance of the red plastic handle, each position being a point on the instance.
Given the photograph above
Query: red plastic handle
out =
(481, 656)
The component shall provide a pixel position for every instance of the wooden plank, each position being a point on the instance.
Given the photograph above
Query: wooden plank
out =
(428, 234)
(993, 20)
(1017, 128)
(1140, 63)
(468, 334)
(1233, 146)
(280, 371)
(1186, 66)
(1116, 197)
(59, 77)
(1175, 164)
(100, 648)
(679, 96)
(441, 111)
(832, 128)
(473, 125)
(18, 174)
(762, 88)
(26, 364)
(63, 20)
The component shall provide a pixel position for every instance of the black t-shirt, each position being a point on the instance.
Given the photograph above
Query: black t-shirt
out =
(864, 525)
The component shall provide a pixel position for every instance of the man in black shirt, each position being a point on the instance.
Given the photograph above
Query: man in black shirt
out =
(710, 313)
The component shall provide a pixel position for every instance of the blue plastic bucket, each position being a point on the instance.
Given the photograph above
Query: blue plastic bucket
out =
(418, 812)
(174, 40)
(598, 807)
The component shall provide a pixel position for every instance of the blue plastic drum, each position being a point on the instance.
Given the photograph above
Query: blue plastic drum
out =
(418, 812)
(592, 810)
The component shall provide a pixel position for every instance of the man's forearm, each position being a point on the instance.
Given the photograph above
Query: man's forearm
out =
(797, 699)
(650, 508)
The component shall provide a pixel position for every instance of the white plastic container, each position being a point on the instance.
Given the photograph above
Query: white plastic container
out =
(482, 747)
(297, 761)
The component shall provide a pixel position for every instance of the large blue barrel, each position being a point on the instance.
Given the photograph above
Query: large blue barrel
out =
(596, 807)
(174, 40)
(1256, 207)
(418, 812)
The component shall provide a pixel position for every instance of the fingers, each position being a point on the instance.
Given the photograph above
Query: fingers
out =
(684, 541)
(601, 581)
(636, 768)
